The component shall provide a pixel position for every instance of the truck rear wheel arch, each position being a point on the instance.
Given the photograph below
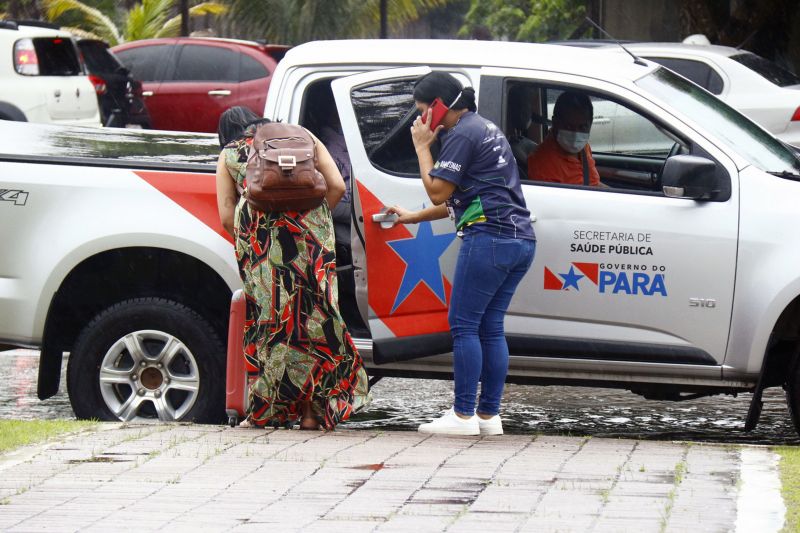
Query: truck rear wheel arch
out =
(122, 274)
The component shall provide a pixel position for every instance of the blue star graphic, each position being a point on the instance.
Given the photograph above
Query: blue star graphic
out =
(571, 279)
(421, 256)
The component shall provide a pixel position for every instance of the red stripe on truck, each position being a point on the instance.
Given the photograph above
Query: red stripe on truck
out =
(195, 192)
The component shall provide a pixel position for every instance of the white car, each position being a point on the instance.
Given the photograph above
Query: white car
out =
(757, 87)
(42, 78)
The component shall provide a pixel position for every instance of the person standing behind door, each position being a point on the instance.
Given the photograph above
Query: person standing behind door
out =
(564, 156)
(476, 180)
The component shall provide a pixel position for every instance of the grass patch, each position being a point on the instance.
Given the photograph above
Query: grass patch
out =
(16, 433)
(790, 485)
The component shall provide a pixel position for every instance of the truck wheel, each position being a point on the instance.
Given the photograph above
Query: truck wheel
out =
(148, 358)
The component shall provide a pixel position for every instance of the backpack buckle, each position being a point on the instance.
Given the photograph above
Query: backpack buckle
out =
(287, 162)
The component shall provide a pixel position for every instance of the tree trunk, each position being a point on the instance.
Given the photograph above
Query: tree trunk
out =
(384, 19)
(184, 18)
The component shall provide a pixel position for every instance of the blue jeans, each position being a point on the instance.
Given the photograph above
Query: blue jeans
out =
(488, 270)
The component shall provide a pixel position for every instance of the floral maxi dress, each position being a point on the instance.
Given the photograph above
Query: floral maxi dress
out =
(294, 334)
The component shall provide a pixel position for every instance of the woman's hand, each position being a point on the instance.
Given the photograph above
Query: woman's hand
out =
(421, 134)
(404, 216)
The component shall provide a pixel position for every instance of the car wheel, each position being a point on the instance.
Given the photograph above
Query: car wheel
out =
(148, 358)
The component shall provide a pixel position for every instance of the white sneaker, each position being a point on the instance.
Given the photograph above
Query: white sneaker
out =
(490, 426)
(451, 424)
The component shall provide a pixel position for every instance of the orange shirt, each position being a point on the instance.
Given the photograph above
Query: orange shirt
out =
(550, 163)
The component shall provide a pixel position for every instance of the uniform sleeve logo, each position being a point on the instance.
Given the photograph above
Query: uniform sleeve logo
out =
(448, 165)
(607, 278)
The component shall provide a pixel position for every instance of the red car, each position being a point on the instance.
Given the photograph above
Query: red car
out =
(188, 82)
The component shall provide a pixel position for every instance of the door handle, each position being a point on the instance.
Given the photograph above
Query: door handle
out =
(386, 220)
(601, 120)
(147, 93)
(219, 92)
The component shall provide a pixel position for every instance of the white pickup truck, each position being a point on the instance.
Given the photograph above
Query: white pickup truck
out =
(677, 280)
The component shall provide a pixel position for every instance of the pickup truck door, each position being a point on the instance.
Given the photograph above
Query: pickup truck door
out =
(403, 287)
(623, 275)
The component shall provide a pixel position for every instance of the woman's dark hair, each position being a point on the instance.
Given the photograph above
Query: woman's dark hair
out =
(233, 123)
(445, 86)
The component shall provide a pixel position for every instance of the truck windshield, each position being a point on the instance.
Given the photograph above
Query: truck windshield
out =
(749, 140)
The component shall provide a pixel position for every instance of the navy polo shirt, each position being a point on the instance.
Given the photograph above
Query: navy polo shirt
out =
(477, 158)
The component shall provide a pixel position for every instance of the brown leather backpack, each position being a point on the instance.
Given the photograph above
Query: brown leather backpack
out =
(282, 170)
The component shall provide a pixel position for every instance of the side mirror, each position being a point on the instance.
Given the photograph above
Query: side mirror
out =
(689, 176)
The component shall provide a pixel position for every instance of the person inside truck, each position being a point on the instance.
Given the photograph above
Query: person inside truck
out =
(476, 180)
(565, 156)
(308, 366)
(322, 119)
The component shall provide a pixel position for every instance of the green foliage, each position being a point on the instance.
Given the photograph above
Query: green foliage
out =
(15, 433)
(525, 20)
(298, 21)
(146, 20)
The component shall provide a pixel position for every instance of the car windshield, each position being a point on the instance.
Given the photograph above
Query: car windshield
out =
(749, 140)
(767, 69)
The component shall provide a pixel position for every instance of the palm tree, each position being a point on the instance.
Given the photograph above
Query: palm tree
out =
(298, 21)
(149, 19)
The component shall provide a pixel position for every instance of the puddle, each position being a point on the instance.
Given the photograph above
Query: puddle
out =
(99, 459)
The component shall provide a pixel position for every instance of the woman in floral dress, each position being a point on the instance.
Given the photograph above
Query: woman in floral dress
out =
(308, 366)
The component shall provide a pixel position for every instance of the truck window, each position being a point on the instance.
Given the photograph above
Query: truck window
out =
(385, 111)
(628, 148)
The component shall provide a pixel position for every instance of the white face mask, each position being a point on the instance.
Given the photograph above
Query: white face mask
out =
(572, 141)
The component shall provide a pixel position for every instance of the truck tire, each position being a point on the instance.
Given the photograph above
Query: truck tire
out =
(148, 358)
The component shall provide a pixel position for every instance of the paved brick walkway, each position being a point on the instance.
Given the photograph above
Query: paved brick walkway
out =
(191, 478)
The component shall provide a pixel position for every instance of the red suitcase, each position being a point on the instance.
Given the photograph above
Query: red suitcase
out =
(239, 372)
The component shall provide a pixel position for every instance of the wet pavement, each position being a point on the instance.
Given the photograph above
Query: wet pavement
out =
(184, 477)
(402, 404)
